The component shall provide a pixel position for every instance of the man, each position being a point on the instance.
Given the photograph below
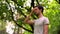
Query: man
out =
(40, 24)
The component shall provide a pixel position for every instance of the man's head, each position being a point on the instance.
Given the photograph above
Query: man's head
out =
(38, 9)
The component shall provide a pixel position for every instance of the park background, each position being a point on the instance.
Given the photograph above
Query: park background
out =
(13, 13)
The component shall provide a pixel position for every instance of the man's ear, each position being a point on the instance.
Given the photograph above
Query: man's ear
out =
(40, 10)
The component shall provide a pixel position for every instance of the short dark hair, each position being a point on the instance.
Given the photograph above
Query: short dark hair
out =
(40, 7)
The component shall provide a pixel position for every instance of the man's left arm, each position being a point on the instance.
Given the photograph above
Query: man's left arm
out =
(46, 25)
(46, 29)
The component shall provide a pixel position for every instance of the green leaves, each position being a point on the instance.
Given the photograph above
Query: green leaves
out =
(52, 11)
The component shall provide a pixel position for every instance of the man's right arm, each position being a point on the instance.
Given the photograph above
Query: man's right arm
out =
(29, 21)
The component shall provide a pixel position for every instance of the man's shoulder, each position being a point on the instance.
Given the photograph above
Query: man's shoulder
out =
(46, 18)
(43, 18)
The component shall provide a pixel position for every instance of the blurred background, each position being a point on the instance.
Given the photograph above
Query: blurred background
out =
(13, 13)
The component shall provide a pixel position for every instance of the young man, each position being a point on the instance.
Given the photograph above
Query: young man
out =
(40, 24)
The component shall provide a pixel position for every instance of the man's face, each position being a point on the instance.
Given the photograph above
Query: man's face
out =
(36, 10)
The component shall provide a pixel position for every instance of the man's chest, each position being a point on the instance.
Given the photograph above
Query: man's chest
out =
(39, 21)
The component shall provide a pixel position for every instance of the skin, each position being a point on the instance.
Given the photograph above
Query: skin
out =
(39, 13)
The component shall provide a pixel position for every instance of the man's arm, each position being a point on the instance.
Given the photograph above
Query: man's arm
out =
(29, 22)
(27, 19)
(46, 25)
(46, 29)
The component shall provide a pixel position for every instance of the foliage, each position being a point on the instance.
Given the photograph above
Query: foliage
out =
(52, 8)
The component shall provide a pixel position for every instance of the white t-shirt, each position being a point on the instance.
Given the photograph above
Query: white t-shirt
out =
(38, 25)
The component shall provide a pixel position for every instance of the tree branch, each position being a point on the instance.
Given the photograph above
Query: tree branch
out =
(37, 2)
(16, 22)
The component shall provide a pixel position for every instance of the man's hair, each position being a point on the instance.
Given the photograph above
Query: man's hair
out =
(40, 7)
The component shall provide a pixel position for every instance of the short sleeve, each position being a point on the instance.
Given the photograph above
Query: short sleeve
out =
(46, 21)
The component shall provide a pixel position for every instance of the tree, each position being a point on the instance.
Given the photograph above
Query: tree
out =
(10, 8)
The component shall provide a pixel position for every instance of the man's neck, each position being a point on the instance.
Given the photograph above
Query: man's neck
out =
(40, 15)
